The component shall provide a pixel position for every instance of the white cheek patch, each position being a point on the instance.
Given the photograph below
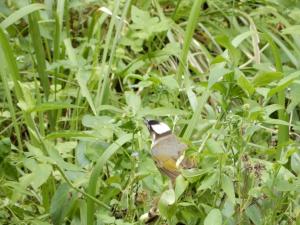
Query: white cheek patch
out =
(160, 128)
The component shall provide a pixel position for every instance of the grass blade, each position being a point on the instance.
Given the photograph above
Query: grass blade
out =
(97, 170)
(11, 108)
(283, 130)
(192, 22)
(14, 17)
(39, 52)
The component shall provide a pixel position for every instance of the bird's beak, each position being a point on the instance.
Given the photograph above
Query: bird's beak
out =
(146, 122)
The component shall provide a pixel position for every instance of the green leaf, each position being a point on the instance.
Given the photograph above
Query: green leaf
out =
(133, 101)
(14, 17)
(40, 55)
(103, 125)
(161, 111)
(60, 204)
(5, 148)
(254, 214)
(228, 188)
(45, 106)
(170, 82)
(295, 97)
(98, 169)
(295, 29)
(264, 78)
(214, 217)
(284, 83)
(166, 202)
(208, 181)
(217, 71)
(80, 156)
(194, 174)
(295, 163)
(39, 175)
(69, 134)
(145, 25)
(272, 108)
(82, 78)
(180, 187)
(57, 159)
(97, 121)
(244, 83)
(276, 121)
(214, 146)
(233, 52)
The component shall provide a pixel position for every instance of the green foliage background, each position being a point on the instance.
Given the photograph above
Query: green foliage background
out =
(77, 78)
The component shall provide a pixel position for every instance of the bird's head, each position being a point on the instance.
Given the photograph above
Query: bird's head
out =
(157, 128)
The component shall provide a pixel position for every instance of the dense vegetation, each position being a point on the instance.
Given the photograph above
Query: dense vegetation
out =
(78, 77)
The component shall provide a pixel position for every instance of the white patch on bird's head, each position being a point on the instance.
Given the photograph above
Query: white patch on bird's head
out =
(157, 128)
(160, 128)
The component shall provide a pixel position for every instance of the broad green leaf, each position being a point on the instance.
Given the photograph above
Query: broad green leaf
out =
(254, 214)
(295, 29)
(180, 187)
(228, 209)
(164, 54)
(96, 121)
(214, 146)
(208, 181)
(284, 83)
(60, 204)
(192, 98)
(295, 97)
(264, 78)
(240, 38)
(244, 83)
(214, 217)
(166, 201)
(295, 163)
(102, 125)
(170, 82)
(57, 158)
(38, 176)
(133, 101)
(272, 108)
(145, 25)
(228, 187)
(80, 150)
(151, 177)
(216, 73)
(194, 174)
(281, 184)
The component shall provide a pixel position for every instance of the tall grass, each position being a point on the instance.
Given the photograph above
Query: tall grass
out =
(78, 78)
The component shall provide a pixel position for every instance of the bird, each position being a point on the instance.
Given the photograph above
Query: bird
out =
(167, 149)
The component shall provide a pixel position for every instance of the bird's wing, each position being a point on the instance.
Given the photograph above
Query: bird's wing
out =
(166, 151)
(170, 146)
(167, 166)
